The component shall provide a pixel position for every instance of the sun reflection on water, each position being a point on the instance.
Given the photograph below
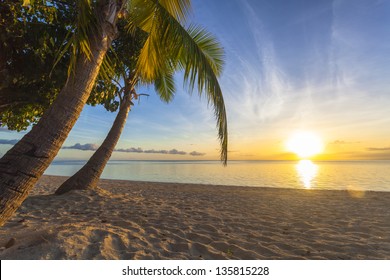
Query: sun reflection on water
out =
(307, 171)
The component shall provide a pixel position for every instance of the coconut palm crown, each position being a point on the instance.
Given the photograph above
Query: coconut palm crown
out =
(170, 46)
(90, 39)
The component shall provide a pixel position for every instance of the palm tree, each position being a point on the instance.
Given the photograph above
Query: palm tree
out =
(25, 162)
(88, 176)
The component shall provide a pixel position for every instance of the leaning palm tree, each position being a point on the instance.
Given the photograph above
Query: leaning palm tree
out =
(202, 44)
(25, 162)
(89, 174)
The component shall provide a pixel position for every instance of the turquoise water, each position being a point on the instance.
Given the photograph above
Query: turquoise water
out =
(356, 175)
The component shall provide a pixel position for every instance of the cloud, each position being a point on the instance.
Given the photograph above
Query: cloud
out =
(153, 151)
(342, 142)
(8, 142)
(196, 154)
(130, 150)
(263, 79)
(171, 152)
(94, 147)
(83, 147)
(164, 152)
(378, 149)
(176, 152)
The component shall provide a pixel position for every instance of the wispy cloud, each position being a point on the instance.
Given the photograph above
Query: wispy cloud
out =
(359, 44)
(94, 147)
(8, 142)
(264, 82)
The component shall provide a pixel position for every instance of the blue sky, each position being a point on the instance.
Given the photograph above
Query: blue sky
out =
(321, 66)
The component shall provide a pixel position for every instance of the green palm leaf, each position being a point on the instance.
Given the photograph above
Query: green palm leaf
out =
(179, 9)
(194, 50)
(165, 87)
(77, 40)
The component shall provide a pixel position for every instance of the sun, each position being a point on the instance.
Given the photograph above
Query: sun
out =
(305, 144)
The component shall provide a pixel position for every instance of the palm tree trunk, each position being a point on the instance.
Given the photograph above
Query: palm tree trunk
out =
(24, 163)
(88, 176)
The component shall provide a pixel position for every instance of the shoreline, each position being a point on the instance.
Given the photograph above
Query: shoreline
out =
(168, 183)
(152, 220)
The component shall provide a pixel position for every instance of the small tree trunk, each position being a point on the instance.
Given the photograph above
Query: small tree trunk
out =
(25, 162)
(88, 176)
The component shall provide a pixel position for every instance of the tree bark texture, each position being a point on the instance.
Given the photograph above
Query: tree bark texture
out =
(88, 176)
(25, 162)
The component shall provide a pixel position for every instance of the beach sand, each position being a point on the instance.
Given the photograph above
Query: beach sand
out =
(142, 220)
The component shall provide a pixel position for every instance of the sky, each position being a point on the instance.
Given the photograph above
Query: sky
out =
(319, 66)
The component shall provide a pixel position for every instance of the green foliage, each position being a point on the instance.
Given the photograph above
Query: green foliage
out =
(179, 9)
(171, 47)
(151, 46)
(165, 86)
(77, 40)
(121, 59)
(29, 38)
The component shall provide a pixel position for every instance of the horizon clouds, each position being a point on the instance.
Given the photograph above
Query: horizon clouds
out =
(94, 147)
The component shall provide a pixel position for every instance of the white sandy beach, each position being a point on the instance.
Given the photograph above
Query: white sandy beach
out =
(142, 220)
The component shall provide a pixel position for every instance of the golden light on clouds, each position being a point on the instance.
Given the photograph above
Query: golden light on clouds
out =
(305, 144)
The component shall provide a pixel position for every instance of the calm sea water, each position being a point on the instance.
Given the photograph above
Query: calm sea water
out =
(357, 175)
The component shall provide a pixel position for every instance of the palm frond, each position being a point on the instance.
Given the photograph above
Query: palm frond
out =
(140, 15)
(107, 69)
(195, 51)
(77, 41)
(141, 12)
(165, 87)
(84, 24)
(179, 9)
(209, 46)
(150, 63)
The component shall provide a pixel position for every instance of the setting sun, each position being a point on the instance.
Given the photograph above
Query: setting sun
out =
(304, 144)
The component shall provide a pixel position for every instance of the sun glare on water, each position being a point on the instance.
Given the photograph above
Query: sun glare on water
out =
(305, 144)
(307, 171)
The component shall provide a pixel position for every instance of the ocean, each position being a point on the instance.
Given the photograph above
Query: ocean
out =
(304, 174)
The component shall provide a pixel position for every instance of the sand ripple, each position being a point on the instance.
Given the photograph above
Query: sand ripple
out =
(139, 220)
